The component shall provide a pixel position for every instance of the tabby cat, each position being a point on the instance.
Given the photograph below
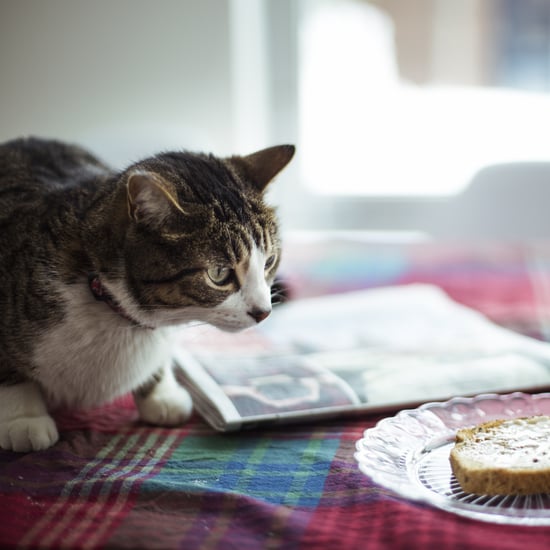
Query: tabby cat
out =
(99, 266)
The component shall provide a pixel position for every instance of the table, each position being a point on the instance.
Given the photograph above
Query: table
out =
(112, 482)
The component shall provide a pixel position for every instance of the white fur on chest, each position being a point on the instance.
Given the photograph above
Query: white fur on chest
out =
(94, 355)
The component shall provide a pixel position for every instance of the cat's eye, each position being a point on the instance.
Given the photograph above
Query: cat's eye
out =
(220, 275)
(270, 261)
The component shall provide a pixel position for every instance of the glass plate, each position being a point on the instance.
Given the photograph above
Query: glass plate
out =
(409, 454)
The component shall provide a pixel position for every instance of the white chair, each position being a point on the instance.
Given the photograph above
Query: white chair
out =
(504, 201)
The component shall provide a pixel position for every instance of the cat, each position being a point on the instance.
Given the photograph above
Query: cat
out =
(98, 267)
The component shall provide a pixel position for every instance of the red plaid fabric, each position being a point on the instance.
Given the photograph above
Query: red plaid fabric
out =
(112, 482)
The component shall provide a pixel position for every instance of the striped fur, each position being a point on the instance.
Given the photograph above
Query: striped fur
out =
(177, 237)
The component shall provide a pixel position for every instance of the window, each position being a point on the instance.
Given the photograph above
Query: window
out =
(395, 105)
(375, 120)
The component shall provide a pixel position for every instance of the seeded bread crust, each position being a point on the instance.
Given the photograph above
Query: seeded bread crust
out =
(504, 457)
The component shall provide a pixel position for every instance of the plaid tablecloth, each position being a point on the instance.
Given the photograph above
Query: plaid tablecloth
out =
(112, 482)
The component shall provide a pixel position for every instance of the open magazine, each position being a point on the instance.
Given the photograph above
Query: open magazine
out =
(362, 351)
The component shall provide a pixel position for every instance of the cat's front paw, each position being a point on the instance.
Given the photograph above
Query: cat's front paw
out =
(166, 408)
(28, 433)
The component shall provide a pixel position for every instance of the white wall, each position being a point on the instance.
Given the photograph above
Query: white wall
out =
(125, 77)
(129, 78)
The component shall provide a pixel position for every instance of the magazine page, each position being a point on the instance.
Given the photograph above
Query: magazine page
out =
(361, 351)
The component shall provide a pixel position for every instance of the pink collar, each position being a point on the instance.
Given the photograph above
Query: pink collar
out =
(101, 294)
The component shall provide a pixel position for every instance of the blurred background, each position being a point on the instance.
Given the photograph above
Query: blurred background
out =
(396, 107)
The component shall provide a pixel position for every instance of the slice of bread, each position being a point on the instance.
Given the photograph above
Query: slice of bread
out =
(504, 457)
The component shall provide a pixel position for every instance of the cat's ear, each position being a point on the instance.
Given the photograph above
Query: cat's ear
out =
(151, 199)
(261, 167)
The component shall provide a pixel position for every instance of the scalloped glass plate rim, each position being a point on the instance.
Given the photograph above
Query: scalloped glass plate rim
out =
(392, 452)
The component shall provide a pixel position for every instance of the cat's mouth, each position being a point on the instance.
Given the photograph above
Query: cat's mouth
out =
(238, 324)
(233, 327)
(226, 321)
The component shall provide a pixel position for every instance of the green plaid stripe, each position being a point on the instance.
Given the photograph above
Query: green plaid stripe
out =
(268, 468)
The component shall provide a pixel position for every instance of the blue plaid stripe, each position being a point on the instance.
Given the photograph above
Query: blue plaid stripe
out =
(268, 468)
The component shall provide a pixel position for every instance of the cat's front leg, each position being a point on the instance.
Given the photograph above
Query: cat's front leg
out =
(25, 424)
(162, 400)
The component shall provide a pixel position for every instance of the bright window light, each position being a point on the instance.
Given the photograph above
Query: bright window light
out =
(363, 131)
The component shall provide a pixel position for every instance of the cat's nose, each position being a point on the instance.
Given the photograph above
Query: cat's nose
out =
(259, 314)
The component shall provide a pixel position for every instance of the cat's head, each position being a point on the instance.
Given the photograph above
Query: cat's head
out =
(201, 244)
